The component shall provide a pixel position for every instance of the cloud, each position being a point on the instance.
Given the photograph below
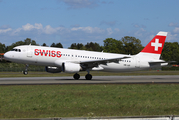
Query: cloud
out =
(51, 34)
(136, 26)
(29, 27)
(74, 34)
(109, 31)
(78, 4)
(172, 37)
(49, 30)
(38, 28)
(5, 30)
(139, 32)
(88, 29)
(176, 30)
(173, 24)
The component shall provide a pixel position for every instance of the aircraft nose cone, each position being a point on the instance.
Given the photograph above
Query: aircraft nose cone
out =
(6, 56)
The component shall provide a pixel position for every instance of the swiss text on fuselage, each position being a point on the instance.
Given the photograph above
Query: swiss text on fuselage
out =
(49, 53)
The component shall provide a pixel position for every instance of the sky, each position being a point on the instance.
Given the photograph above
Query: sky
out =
(83, 21)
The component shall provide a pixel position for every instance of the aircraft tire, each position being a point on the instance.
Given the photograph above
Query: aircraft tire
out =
(88, 77)
(76, 76)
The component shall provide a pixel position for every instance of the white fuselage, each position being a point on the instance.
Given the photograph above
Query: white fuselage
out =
(50, 56)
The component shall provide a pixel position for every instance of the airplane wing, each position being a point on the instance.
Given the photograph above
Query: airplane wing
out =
(95, 63)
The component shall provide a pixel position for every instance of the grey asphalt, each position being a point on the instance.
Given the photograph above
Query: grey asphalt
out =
(158, 79)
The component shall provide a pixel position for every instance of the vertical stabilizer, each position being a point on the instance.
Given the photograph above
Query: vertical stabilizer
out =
(155, 46)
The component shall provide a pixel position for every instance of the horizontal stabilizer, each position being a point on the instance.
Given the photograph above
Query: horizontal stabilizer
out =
(162, 61)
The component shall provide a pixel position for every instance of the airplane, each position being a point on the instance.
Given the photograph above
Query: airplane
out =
(58, 60)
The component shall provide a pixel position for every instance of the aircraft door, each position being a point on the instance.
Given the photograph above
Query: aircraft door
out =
(29, 51)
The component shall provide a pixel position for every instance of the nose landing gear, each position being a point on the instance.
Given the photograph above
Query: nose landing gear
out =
(25, 72)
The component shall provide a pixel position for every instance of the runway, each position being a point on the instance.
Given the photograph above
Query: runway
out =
(157, 79)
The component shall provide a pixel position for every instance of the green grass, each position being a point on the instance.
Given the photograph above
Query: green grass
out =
(43, 101)
(94, 73)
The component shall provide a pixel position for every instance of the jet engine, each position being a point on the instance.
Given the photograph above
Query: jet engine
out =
(71, 67)
(53, 69)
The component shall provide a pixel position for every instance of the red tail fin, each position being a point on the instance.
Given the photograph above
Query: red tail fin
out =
(155, 46)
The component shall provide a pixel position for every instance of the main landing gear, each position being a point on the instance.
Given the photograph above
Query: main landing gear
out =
(25, 72)
(88, 76)
(76, 76)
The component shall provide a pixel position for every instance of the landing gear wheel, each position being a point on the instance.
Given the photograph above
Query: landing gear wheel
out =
(88, 77)
(25, 72)
(76, 76)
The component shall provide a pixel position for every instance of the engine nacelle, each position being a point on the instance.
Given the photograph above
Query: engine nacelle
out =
(53, 69)
(71, 67)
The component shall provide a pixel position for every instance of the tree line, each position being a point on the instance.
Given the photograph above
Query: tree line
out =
(126, 45)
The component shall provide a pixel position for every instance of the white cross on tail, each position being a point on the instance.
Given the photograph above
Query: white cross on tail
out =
(156, 44)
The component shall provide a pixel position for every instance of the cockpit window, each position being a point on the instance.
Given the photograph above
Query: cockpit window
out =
(17, 50)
